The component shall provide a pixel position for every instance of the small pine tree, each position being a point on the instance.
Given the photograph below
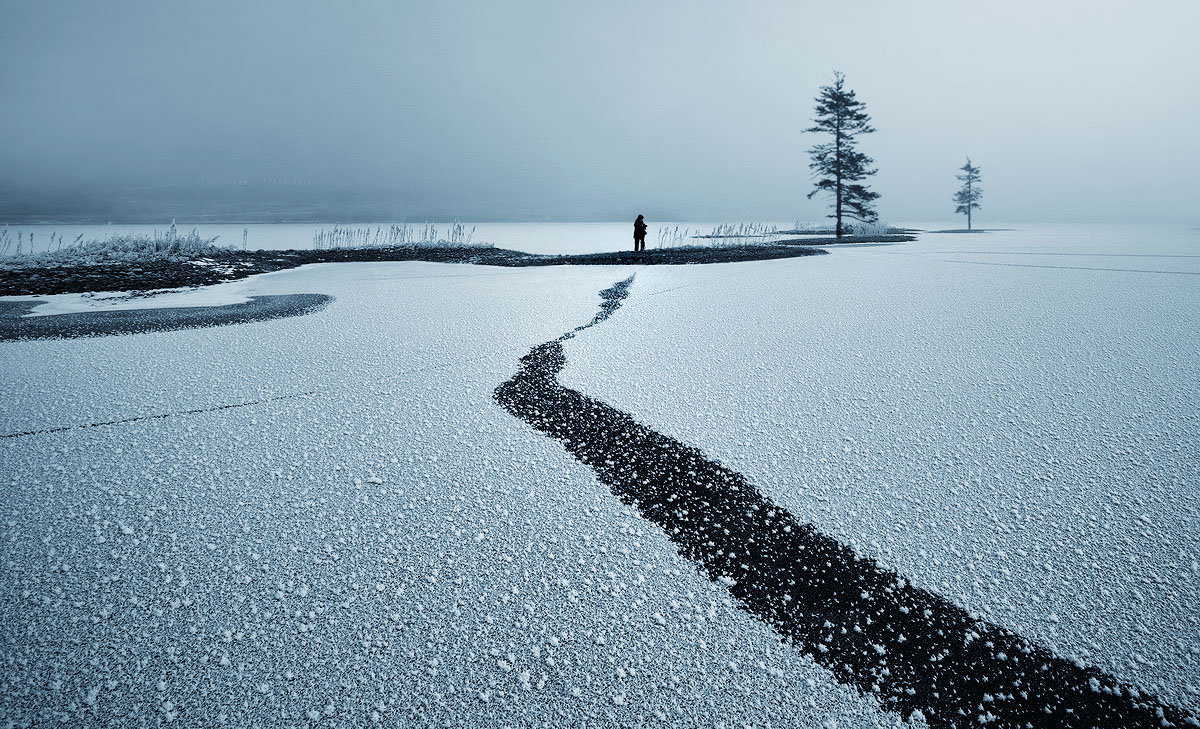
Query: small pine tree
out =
(970, 193)
(837, 165)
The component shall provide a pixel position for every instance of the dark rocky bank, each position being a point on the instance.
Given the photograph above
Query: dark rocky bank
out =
(224, 264)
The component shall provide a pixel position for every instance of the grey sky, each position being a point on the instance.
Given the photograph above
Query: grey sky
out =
(592, 110)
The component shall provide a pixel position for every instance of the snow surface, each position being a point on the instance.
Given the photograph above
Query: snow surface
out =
(382, 544)
(1010, 420)
(390, 548)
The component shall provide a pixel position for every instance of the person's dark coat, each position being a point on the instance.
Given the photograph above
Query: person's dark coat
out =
(639, 228)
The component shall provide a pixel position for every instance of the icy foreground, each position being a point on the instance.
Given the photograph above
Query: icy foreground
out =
(395, 547)
(918, 653)
(1015, 430)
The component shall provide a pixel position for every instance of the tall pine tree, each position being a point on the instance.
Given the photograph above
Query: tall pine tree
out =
(836, 164)
(970, 193)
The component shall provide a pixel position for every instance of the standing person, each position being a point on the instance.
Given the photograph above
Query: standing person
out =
(639, 234)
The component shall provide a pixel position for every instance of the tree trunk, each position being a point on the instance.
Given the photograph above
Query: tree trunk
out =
(838, 196)
(838, 228)
(970, 201)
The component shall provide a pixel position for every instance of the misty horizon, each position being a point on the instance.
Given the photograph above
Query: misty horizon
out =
(140, 112)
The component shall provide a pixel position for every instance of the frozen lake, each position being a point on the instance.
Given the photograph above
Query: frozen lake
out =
(329, 518)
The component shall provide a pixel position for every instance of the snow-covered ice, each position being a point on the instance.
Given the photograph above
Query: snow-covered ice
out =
(393, 548)
(377, 542)
(1009, 420)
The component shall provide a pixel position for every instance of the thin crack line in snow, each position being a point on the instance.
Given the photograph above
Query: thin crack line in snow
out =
(1080, 255)
(1040, 265)
(231, 406)
(1071, 268)
(156, 416)
(912, 649)
(667, 291)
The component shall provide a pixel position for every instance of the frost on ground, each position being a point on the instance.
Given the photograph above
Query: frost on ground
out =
(390, 548)
(377, 542)
(1012, 426)
(912, 649)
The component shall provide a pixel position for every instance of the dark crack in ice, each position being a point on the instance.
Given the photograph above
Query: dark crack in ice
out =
(912, 649)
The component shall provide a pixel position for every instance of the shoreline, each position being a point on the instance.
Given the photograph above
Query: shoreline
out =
(223, 265)
(15, 326)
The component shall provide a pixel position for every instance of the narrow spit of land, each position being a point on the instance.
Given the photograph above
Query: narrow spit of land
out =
(221, 265)
(15, 325)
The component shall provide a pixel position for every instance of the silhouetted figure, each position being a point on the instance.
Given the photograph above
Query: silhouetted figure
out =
(639, 234)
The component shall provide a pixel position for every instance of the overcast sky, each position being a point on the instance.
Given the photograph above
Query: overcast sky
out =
(1075, 111)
